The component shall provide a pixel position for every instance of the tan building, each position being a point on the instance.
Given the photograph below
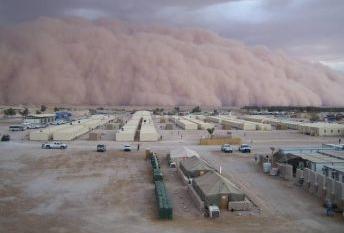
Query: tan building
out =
(322, 129)
(40, 118)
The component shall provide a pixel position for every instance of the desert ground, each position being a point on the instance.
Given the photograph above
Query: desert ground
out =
(81, 190)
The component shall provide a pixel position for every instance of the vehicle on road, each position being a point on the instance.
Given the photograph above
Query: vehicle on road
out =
(17, 128)
(101, 148)
(5, 138)
(59, 122)
(245, 148)
(226, 148)
(126, 148)
(54, 145)
(30, 126)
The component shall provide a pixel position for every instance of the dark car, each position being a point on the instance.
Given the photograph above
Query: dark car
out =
(127, 148)
(5, 138)
(101, 148)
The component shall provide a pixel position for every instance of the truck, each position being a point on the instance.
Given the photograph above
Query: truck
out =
(101, 148)
(226, 148)
(54, 145)
(244, 148)
(17, 128)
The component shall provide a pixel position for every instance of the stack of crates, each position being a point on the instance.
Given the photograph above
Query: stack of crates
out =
(154, 161)
(163, 201)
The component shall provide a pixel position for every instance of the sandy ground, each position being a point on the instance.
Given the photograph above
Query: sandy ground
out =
(80, 190)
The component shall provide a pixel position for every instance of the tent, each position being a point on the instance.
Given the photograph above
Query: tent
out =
(181, 153)
(194, 167)
(214, 189)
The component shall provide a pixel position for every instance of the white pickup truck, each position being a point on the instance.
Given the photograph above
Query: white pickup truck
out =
(54, 145)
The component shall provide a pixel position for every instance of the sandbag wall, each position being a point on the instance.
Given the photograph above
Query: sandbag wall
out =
(163, 201)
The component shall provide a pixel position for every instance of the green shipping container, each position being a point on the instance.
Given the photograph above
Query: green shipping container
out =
(155, 162)
(165, 209)
(157, 175)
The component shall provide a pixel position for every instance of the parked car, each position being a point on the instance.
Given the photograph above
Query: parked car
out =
(172, 164)
(244, 148)
(226, 148)
(30, 126)
(5, 138)
(54, 145)
(59, 122)
(101, 148)
(126, 148)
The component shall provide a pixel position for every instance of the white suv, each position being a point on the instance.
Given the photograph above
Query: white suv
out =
(226, 148)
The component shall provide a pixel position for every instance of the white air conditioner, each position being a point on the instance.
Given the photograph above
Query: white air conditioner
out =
(213, 211)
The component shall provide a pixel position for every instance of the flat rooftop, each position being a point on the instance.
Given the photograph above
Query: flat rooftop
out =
(41, 115)
(337, 167)
(316, 157)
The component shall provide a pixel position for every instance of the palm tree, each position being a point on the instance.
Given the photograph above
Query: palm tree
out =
(211, 131)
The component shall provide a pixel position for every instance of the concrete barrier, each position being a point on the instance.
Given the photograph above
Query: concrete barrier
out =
(240, 205)
(306, 179)
(321, 182)
(281, 170)
(195, 198)
(182, 176)
(312, 183)
(330, 185)
(288, 172)
(338, 194)
(299, 176)
(285, 171)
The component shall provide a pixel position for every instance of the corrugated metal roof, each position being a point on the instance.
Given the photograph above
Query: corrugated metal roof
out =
(318, 158)
(337, 167)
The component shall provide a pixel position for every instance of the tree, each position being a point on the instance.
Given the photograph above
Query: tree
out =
(43, 108)
(56, 109)
(92, 111)
(211, 131)
(38, 112)
(158, 111)
(10, 112)
(177, 109)
(25, 112)
(196, 109)
(215, 112)
(314, 117)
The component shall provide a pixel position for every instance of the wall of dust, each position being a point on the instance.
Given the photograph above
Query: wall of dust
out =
(76, 61)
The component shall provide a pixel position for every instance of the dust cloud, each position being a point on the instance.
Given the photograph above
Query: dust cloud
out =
(76, 61)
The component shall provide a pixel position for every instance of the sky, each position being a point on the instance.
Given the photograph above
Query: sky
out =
(308, 29)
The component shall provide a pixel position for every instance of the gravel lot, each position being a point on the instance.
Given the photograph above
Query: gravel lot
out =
(80, 190)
